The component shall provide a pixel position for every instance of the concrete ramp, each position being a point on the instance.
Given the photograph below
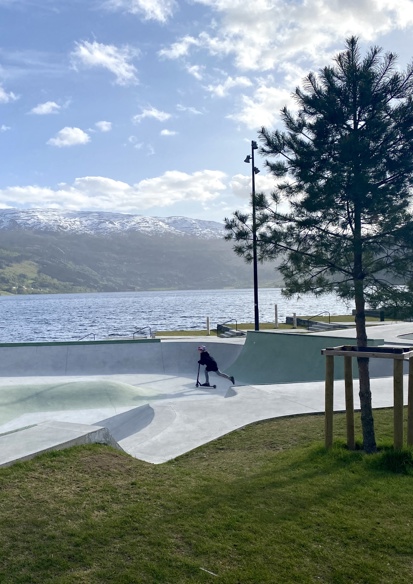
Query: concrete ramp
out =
(128, 423)
(269, 357)
(29, 442)
(17, 399)
(148, 356)
(181, 357)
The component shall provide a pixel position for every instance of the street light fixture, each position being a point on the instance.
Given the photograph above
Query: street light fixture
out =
(254, 171)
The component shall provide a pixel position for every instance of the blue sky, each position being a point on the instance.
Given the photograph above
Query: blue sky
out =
(149, 106)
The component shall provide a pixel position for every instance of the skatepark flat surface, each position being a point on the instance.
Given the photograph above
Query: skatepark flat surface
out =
(157, 413)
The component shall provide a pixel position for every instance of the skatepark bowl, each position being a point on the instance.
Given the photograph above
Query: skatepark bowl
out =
(141, 396)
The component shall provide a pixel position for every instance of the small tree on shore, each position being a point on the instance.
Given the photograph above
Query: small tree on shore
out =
(339, 219)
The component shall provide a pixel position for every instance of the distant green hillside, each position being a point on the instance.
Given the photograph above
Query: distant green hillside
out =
(39, 262)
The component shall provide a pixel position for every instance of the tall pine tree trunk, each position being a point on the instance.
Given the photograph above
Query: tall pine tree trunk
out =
(367, 421)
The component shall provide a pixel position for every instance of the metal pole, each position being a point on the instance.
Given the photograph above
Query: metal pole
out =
(254, 241)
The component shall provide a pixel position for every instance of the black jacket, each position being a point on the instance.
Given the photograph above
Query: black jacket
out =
(206, 359)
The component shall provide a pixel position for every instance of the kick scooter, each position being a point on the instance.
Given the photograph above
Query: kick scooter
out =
(198, 383)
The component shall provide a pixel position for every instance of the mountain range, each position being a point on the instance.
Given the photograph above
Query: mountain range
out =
(104, 223)
(52, 251)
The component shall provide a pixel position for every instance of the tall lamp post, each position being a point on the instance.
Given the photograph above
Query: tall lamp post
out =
(254, 171)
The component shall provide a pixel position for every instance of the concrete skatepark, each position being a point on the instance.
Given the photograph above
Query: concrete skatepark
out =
(141, 396)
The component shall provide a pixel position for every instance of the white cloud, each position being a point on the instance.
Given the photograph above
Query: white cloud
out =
(196, 71)
(49, 107)
(117, 60)
(151, 112)
(180, 48)
(189, 109)
(104, 126)
(160, 10)
(133, 140)
(240, 184)
(147, 149)
(102, 193)
(4, 128)
(222, 89)
(168, 133)
(69, 137)
(263, 108)
(175, 186)
(266, 33)
(7, 97)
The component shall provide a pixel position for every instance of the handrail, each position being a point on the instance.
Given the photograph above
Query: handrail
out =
(231, 320)
(88, 335)
(140, 331)
(319, 314)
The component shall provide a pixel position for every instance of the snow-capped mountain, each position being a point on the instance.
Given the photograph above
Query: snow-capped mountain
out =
(104, 223)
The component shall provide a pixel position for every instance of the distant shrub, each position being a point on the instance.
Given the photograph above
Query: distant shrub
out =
(398, 312)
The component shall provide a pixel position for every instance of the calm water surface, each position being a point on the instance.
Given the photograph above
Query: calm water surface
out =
(68, 317)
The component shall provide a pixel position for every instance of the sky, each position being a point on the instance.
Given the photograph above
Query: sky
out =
(149, 107)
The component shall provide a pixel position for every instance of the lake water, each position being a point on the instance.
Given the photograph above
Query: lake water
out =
(69, 317)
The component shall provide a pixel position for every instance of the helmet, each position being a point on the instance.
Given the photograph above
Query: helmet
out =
(201, 348)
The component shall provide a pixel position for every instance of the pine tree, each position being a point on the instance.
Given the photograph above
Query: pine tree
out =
(340, 218)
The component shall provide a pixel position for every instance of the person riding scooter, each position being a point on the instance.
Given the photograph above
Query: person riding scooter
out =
(210, 365)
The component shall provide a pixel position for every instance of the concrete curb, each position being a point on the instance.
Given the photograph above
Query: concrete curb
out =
(30, 442)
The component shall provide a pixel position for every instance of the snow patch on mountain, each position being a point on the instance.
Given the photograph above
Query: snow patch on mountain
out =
(106, 223)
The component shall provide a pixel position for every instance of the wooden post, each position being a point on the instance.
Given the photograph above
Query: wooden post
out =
(398, 403)
(329, 401)
(410, 405)
(399, 355)
(294, 320)
(275, 316)
(207, 325)
(348, 384)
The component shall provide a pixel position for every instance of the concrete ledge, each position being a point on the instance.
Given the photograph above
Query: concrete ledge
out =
(30, 442)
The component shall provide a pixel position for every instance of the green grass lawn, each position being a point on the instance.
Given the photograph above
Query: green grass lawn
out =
(265, 504)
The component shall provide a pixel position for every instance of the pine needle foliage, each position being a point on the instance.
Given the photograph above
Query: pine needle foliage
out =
(340, 216)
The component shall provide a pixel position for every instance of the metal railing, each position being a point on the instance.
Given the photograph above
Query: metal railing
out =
(88, 335)
(144, 331)
(141, 330)
(319, 314)
(226, 331)
(230, 320)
